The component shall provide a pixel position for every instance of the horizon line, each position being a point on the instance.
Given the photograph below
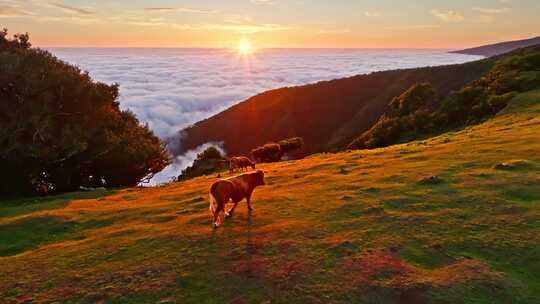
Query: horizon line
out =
(257, 49)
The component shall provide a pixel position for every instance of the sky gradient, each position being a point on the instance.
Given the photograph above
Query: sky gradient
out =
(271, 23)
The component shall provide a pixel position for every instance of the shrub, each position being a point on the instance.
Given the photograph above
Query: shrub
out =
(291, 144)
(268, 153)
(273, 152)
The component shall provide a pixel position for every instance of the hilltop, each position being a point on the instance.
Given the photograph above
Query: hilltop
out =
(451, 219)
(499, 48)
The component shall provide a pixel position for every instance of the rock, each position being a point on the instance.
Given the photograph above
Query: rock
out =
(431, 180)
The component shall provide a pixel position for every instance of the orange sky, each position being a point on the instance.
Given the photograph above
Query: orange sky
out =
(271, 23)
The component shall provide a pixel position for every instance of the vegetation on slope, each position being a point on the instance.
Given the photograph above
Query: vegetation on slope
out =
(59, 129)
(327, 115)
(415, 113)
(453, 219)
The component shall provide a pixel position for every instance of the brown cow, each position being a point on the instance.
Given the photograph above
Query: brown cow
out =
(234, 188)
(240, 162)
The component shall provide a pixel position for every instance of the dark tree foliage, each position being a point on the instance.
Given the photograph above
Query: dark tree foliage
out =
(60, 130)
(274, 152)
(415, 98)
(267, 153)
(411, 115)
(291, 144)
(207, 162)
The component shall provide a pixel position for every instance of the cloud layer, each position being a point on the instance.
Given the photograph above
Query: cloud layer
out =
(173, 88)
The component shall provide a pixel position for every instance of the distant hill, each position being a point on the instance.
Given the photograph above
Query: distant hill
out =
(499, 48)
(328, 114)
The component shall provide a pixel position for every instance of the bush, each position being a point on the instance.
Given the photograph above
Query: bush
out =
(207, 162)
(274, 152)
(268, 153)
(60, 130)
(291, 144)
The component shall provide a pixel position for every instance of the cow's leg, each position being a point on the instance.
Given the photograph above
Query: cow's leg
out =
(248, 200)
(215, 215)
(214, 205)
(229, 213)
(216, 212)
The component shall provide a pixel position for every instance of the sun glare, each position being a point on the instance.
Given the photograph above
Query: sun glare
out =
(245, 47)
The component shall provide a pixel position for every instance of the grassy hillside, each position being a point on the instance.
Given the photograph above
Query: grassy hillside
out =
(328, 115)
(453, 219)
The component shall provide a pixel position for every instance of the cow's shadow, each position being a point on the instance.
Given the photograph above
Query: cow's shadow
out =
(223, 237)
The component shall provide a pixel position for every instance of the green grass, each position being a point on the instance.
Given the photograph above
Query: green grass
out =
(32, 232)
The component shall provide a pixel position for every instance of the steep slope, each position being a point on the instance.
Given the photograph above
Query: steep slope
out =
(499, 48)
(328, 115)
(366, 226)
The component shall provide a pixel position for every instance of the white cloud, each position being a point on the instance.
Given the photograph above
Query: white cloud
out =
(372, 14)
(72, 9)
(448, 16)
(485, 10)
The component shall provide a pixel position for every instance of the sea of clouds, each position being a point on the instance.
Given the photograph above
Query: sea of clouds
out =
(171, 89)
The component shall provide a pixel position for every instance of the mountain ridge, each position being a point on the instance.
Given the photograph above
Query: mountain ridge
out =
(499, 48)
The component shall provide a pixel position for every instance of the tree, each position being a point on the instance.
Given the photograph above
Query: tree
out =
(207, 162)
(59, 129)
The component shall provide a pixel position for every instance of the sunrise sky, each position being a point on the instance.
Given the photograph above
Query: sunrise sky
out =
(271, 23)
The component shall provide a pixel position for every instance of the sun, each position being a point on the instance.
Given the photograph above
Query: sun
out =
(245, 47)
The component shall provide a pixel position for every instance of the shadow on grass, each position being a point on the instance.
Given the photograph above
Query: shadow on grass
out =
(23, 206)
(31, 232)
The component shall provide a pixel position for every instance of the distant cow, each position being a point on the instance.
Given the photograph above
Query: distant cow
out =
(240, 162)
(234, 188)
